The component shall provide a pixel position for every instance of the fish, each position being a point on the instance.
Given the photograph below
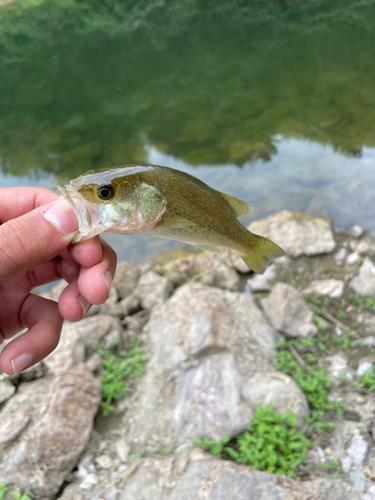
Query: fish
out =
(165, 203)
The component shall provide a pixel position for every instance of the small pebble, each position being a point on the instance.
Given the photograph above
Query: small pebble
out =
(105, 461)
(357, 480)
(355, 231)
(352, 258)
(346, 464)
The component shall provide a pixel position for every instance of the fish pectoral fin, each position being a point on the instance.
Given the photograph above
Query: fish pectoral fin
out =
(210, 248)
(240, 207)
(175, 222)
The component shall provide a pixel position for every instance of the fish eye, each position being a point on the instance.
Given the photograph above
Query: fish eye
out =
(105, 192)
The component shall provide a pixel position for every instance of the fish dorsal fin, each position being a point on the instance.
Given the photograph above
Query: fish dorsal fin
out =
(240, 207)
(175, 222)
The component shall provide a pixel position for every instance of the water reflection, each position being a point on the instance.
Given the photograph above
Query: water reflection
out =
(273, 103)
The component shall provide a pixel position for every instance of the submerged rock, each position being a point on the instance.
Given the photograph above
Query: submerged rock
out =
(298, 233)
(288, 312)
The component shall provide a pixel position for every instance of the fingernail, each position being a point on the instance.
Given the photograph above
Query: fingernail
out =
(62, 216)
(20, 362)
(84, 303)
(107, 278)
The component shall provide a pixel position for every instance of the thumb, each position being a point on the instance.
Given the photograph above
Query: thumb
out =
(35, 238)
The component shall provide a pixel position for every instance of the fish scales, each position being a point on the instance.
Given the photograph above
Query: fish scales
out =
(164, 202)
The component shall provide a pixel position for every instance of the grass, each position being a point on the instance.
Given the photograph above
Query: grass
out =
(17, 495)
(269, 443)
(332, 465)
(367, 380)
(118, 368)
(311, 378)
(362, 302)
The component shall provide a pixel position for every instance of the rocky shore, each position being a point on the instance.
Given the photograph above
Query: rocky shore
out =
(205, 344)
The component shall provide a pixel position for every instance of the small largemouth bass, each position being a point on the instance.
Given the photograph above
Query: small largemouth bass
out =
(165, 203)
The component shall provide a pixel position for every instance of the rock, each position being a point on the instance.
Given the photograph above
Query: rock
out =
(355, 231)
(196, 475)
(7, 389)
(341, 255)
(94, 363)
(89, 481)
(352, 258)
(233, 259)
(366, 246)
(288, 312)
(122, 450)
(58, 417)
(205, 268)
(152, 290)
(278, 389)
(331, 288)
(338, 366)
(70, 350)
(76, 337)
(367, 322)
(213, 342)
(126, 278)
(357, 479)
(262, 282)
(364, 283)
(126, 306)
(298, 233)
(363, 367)
(358, 450)
(366, 342)
(346, 463)
(105, 462)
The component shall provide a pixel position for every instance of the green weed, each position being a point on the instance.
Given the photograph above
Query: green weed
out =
(3, 489)
(20, 496)
(117, 369)
(332, 465)
(312, 380)
(345, 340)
(270, 443)
(363, 302)
(368, 380)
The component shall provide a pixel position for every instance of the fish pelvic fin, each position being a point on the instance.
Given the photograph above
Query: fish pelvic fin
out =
(240, 207)
(262, 251)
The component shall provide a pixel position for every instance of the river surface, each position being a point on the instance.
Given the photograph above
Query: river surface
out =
(271, 102)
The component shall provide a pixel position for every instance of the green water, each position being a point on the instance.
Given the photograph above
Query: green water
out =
(273, 102)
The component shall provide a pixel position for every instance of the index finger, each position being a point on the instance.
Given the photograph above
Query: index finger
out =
(15, 202)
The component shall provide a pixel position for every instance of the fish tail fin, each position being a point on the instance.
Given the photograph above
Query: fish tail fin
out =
(262, 251)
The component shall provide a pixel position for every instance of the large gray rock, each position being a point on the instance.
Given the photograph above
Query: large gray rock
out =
(364, 283)
(44, 429)
(205, 344)
(288, 312)
(196, 475)
(298, 233)
(205, 268)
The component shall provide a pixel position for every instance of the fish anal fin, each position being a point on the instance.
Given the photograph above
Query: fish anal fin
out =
(262, 251)
(240, 207)
(210, 248)
(175, 222)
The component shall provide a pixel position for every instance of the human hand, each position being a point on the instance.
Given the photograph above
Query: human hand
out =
(34, 250)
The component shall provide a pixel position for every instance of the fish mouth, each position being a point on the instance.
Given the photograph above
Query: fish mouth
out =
(81, 211)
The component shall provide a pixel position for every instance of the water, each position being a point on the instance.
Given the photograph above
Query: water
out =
(272, 103)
